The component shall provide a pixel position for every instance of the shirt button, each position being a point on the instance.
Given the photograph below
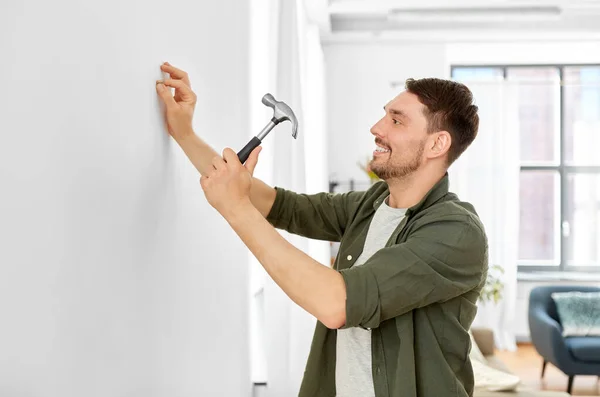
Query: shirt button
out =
(349, 257)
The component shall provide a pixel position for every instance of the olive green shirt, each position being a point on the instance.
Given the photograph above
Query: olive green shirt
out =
(418, 294)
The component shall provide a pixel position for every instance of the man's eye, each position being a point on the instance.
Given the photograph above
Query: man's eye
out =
(395, 121)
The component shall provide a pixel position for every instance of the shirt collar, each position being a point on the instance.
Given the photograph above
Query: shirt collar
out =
(438, 190)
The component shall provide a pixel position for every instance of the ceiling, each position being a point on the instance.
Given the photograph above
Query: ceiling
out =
(360, 19)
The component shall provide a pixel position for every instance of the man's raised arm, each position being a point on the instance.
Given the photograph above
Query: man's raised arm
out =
(179, 113)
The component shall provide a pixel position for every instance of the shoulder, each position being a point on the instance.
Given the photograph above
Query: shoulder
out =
(455, 218)
(450, 230)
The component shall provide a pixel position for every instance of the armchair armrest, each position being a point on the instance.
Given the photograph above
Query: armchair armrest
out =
(546, 336)
(484, 337)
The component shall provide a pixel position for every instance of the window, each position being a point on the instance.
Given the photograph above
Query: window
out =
(559, 130)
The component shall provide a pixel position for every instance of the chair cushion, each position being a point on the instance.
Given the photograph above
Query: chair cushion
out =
(475, 353)
(496, 363)
(489, 378)
(584, 348)
(579, 312)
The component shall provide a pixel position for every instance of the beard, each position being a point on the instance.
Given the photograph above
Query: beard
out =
(394, 169)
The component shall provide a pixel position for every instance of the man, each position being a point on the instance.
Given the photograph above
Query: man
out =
(394, 311)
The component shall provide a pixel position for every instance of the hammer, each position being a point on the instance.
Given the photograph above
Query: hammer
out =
(281, 112)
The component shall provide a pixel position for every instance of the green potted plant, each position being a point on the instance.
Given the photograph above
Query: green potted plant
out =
(494, 286)
(365, 167)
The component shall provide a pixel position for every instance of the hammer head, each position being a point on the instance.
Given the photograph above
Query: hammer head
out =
(281, 112)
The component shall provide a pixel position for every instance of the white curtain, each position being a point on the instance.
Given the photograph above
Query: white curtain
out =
(287, 61)
(487, 175)
(264, 22)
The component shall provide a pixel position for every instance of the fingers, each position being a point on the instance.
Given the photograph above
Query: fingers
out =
(218, 163)
(184, 91)
(165, 94)
(176, 73)
(231, 157)
(203, 181)
(252, 160)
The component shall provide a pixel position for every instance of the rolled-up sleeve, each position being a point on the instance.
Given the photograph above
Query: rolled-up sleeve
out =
(439, 261)
(321, 216)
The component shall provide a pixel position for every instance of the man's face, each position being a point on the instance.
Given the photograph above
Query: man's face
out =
(400, 137)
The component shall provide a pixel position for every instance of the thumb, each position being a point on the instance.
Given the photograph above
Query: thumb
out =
(252, 160)
(165, 94)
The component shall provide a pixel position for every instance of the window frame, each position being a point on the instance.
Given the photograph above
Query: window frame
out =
(563, 170)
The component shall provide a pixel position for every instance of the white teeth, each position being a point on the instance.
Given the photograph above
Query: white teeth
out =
(381, 150)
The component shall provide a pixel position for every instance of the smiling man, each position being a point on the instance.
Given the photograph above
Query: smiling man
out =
(394, 311)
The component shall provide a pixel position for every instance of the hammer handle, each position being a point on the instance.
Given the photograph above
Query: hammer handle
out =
(250, 146)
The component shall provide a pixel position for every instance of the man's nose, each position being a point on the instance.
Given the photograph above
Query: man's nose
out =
(376, 130)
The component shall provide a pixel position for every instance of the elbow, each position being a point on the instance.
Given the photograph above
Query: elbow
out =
(334, 322)
(336, 319)
(334, 315)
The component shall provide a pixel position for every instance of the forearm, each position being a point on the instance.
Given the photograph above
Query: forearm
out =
(201, 156)
(318, 289)
(198, 151)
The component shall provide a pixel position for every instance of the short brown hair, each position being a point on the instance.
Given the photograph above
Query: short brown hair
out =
(449, 107)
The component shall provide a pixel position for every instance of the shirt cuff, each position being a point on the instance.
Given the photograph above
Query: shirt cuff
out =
(362, 298)
(276, 216)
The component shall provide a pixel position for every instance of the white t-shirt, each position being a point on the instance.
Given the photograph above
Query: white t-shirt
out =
(353, 364)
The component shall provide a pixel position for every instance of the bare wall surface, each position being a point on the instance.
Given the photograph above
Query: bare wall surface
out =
(116, 277)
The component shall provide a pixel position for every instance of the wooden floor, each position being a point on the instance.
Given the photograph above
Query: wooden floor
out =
(527, 364)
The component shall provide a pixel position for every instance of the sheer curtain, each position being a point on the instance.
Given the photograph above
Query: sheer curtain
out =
(264, 23)
(487, 175)
(287, 60)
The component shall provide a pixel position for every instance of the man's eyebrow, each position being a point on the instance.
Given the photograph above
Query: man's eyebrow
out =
(397, 112)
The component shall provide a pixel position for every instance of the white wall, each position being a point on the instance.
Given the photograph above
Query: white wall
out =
(116, 277)
(359, 78)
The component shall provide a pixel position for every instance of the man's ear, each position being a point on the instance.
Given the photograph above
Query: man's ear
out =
(440, 144)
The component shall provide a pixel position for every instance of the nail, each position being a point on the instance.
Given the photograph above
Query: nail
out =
(160, 81)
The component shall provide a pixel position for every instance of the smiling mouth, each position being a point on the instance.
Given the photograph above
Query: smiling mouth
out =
(380, 149)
